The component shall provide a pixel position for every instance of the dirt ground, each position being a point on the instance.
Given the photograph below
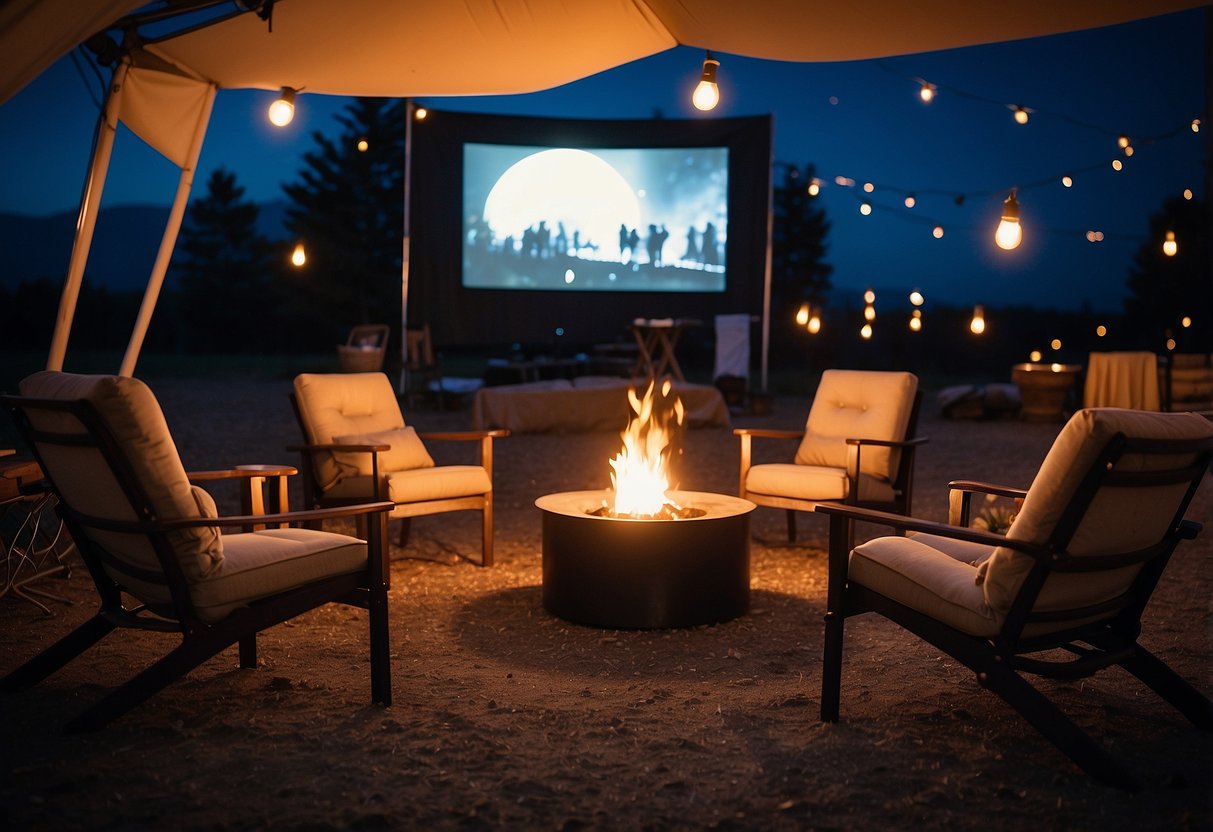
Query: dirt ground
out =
(506, 717)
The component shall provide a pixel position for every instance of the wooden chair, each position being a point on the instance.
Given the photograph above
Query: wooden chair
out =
(358, 448)
(852, 410)
(143, 530)
(423, 375)
(1074, 572)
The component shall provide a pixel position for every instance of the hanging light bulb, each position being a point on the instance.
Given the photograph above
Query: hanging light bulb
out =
(865, 208)
(363, 146)
(282, 110)
(869, 296)
(1129, 151)
(1009, 234)
(420, 113)
(1195, 125)
(802, 315)
(937, 232)
(927, 92)
(814, 187)
(910, 201)
(1055, 344)
(707, 93)
(1188, 194)
(1020, 114)
(1117, 164)
(866, 332)
(1101, 331)
(1186, 321)
(916, 321)
(869, 312)
(298, 256)
(868, 187)
(916, 298)
(1169, 246)
(1122, 141)
(815, 324)
(978, 325)
(1034, 356)
(1067, 181)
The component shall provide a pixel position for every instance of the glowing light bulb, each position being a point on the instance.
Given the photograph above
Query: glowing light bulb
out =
(1185, 322)
(1055, 367)
(1170, 343)
(910, 201)
(814, 188)
(1129, 150)
(869, 312)
(927, 92)
(1034, 356)
(1020, 114)
(1188, 193)
(916, 298)
(707, 93)
(865, 208)
(915, 324)
(866, 332)
(978, 325)
(1195, 125)
(298, 256)
(420, 113)
(814, 324)
(868, 187)
(362, 145)
(802, 315)
(1117, 164)
(1169, 246)
(1101, 330)
(869, 296)
(1067, 181)
(282, 110)
(1122, 141)
(937, 232)
(1009, 234)
(1055, 344)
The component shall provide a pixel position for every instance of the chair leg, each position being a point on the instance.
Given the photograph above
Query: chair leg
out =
(486, 534)
(831, 667)
(1171, 686)
(148, 682)
(58, 654)
(791, 526)
(381, 661)
(1056, 727)
(248, 651)
(405, 525)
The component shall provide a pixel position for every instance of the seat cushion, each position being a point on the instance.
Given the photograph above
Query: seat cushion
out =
(926, 579)
(813, 482)
(344, 404)
(130, 412)
(858, 404)
(405, 452)
(1118, 520)
(260, 564)
(442, 482)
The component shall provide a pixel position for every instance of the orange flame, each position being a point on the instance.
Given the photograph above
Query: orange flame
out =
(641, 471)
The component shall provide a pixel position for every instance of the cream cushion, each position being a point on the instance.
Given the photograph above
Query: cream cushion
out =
(441, 482)
(1118, 520)
(131, 413)
(856, 404)
(344, 404)
(405, 451)
(813, 482)
(260, 564)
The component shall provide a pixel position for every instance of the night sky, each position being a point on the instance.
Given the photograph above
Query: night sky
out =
(861, 120)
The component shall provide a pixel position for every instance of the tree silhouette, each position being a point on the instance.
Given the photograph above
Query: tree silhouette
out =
(225, 273)
(1166, 289)
(799, 273)
(347, 210)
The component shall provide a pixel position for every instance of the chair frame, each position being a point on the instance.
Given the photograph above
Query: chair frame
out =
(201, 640)
(313, 495)
(903, 481)
(999, 662)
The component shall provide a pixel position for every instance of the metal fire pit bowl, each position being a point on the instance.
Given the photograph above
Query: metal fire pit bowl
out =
(625, 573)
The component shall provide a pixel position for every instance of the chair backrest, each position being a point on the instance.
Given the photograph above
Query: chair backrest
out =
(334, 406)
(104, 445)
(1108, 499)
(369, 336)
(858, 404)
(419, 348)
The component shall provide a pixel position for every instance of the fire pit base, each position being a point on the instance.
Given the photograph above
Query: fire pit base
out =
(625, 573)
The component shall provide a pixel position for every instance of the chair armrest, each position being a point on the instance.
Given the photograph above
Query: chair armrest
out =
(891, 443)
(465, 435)
(769, 433)
(335, 446)
(913, 524)
(144, 526)
(960, 493)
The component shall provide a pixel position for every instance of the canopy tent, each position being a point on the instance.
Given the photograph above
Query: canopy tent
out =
(164, 86)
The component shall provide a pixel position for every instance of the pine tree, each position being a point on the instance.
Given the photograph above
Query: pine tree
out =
(224, 274)
(799, 273)
(347, 210)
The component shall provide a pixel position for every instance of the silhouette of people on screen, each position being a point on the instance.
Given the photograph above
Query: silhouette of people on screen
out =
(711, 256)
(692, 252)
(655, 242)
(562, 240)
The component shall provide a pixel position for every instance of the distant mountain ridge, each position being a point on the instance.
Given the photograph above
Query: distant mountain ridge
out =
(124, 246)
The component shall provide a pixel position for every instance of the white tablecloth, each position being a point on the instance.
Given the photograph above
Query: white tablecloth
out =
(1122, 379)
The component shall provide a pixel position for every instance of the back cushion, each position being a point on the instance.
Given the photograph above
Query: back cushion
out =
(856, 404)
(344, 404)
(1118, 520)
(87, 482)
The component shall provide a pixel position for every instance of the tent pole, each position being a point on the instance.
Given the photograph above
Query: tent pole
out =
(86, 220)
(409, 108)
(156, 280)
(766, 274)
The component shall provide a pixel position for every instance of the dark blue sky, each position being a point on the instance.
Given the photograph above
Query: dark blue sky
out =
(859, 119)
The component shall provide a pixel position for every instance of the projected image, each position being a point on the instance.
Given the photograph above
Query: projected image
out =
(602, 219)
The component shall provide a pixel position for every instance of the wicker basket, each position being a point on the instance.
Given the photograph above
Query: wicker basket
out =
(360, 359)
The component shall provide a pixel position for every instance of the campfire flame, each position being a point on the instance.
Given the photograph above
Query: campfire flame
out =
(641, 470)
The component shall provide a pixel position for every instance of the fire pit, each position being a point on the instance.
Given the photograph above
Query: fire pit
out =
(634, 573)
(639, 555)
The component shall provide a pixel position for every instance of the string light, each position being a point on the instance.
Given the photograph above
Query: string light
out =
(916, 298)
(362, 145)
(802, 315)
(1101, 330)
(1129, 151)
(282, 110)
(1170, 344)
(978, 325)
(1169, 246)
(298, 256)
(707, 93)
(420, 113)
(868, 187)
(815, 323)
(910, 201)
(916, 321)
(865, 332)
(1067, 181)
(1195, 125)
(1186, 322)
(869, 312)
(937, 232)
(865, 208)
(1055, 344)
(1094, 236)
(1117, 164)
(1035, 356)
(1009, 234)
(814, 187)
(869, 296)
(1188, 193)
(927, 92)
(1019, 113)
(1122, 141)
